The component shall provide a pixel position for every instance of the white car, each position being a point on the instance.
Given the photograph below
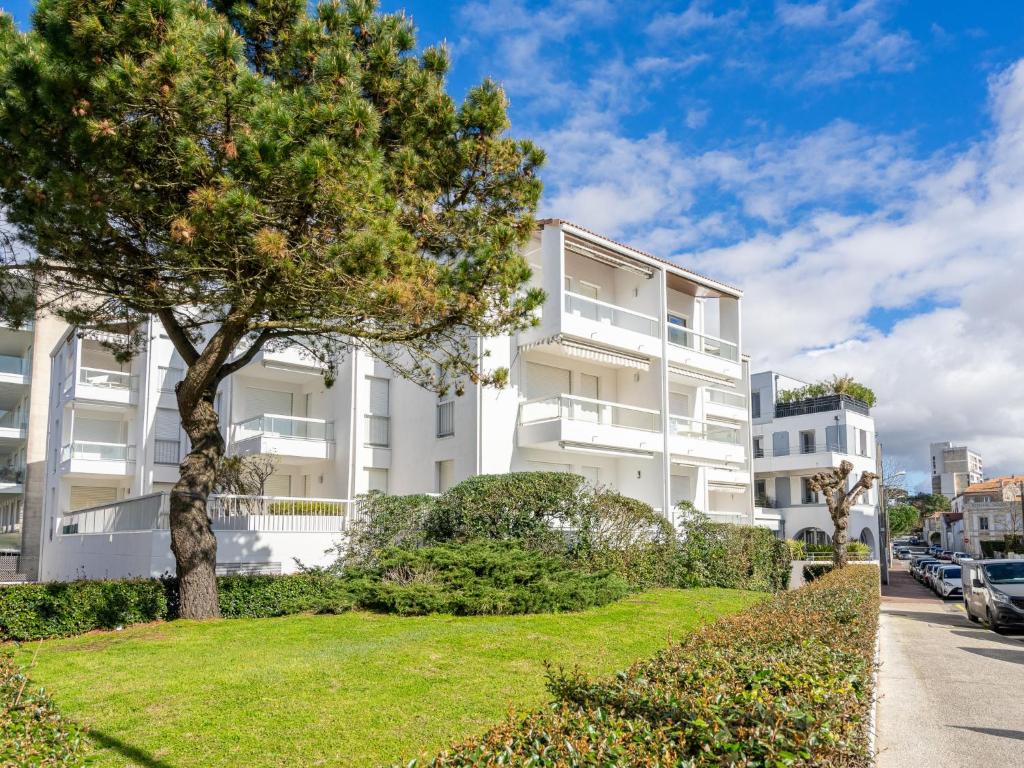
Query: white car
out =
(947, 581)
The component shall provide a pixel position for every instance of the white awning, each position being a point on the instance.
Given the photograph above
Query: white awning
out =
(730, 487)
(595, 354)
(700, 378)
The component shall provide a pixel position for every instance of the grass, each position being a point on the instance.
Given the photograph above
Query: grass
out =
(359, 689)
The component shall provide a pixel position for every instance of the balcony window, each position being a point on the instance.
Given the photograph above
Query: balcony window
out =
(575, 408)
(807, 441)
(103, 378)
(166, 437)
(983, 523)
(807, 494)
(274, 425)
(446, 418)
(378, 420)
(703, 343)
(168, 377)
(704, 430)
(758, 447)
(599, 311)
(11, 364)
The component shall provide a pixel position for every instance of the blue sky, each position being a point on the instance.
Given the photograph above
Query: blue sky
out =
(856, 165)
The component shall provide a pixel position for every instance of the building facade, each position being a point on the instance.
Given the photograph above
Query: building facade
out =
(954, 467)
(633, 376)
(992, 512)
(793, 441)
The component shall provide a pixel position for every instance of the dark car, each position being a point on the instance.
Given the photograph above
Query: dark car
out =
(994, 592)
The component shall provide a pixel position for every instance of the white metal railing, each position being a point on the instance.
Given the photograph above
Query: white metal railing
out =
(702, 342)
(684, 426)
(602, 312)
(446, 419)
(91, 450)
(378, 431)
(104, 379)
(576, 408)
(141, 513)
(12, 364)
(277, 425)
(735, 399)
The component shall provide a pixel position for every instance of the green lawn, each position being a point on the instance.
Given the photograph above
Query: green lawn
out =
(359, 689)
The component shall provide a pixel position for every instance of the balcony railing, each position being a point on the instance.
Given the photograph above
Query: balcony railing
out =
(104, 379)
(684, 426)
(446, 419)
(821, 405)
(12, 365)
(702, 342)
(11, 475)
(378, 431)
(587, 409)
(721, 397)
(277, 425)
(602, 312)
(91, 450)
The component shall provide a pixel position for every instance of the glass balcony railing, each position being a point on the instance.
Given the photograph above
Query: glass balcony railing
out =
(91, 450)
(684, 426)
(702, 342)
(721, 397)
(104, 379)
(577, 408)
(11, 364)
(275, 425)
(601, 312)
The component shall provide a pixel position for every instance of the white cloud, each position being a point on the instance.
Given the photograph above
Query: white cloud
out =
(696, 118)
(695, 18)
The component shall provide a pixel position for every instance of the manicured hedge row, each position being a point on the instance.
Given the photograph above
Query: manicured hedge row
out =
(32, 732)
(733, 557)
(784, 683)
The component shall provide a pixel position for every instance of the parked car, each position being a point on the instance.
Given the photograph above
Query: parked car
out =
(946, 555)
(903, 553)
(946, 581)
(929, 572)
(994, 592)
(958, 556)
(917, 570)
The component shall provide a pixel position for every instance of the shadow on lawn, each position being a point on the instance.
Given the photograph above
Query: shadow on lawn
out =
(134, 754)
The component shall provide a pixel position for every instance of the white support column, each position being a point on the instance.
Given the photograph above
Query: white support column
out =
(666, 458)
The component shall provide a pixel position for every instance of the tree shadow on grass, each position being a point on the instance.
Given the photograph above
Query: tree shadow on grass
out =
(133, 754)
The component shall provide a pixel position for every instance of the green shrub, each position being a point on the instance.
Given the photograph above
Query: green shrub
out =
(253, 596)
(387, 521)
(32, 732)
(31, 611)
(814, 571)
(526, 507)
(481, 577)
(619, 533)
(797, 549)
(784, 683)
(731, 556)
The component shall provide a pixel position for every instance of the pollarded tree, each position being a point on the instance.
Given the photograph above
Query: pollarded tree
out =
(254, 174)
(832, 485)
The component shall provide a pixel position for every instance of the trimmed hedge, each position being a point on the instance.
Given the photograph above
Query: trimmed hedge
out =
(733, 557)
(784, 683)
(814, 571)
(256, 597)
(59, 609)
(481, 577)
(32, 732)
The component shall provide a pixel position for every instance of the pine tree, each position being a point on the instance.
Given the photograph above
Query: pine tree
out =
(254, 174)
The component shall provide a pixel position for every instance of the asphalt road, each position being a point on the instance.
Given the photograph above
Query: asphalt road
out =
(951, 692)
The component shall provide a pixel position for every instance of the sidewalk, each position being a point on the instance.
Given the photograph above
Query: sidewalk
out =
(951, 692)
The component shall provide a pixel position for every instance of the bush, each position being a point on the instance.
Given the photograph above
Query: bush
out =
(797, 549)
(732, 556)
(245, 596)
(32, 732)
(31, 611)
(387, 521)
(627, 536)
(482, 577)
(784, 683)
(526, 507)
(814, 571)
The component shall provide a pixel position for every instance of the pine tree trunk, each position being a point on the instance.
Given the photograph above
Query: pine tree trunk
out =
(192, 539)
(841, 519)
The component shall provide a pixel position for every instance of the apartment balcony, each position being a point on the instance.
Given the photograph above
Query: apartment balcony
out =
(90, 458)
(101, 386)
(11, 481)
(286, 437)
(725, 405)
(291, 363)
(799, 460)
(14, 370)
(12, 430)
(585, 425)
(603, 325)
(705, 441)
(703, 353)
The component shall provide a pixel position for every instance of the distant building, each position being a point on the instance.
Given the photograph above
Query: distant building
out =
(991, 511)
(793, 441)
(954, 467)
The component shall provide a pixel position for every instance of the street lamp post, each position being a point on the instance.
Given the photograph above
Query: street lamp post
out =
(883, 515)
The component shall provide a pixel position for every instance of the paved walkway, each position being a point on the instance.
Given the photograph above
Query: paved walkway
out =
(951, 692)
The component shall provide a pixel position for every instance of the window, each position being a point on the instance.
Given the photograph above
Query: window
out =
(376, 479)
(278, 485)
(758, 447)
(755, 405)
(168, 377)
(166, 437)
(807, 441)
(378, 420)
(761, 493)
(807, 494)
(446, 418)
(444, 472)
(862, 442)
(983, 523)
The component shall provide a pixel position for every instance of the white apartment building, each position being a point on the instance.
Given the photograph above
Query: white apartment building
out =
(634, 377)
(954, 467)
(792, 442)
